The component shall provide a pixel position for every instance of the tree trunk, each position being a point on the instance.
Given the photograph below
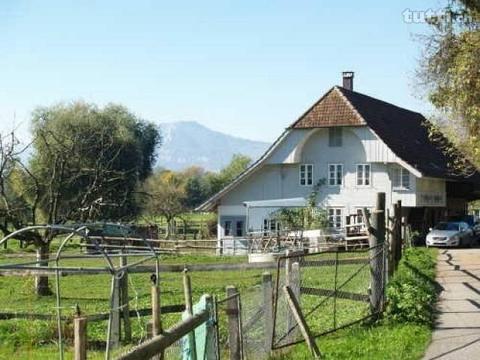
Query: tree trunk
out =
(168, 228)
(41, 281)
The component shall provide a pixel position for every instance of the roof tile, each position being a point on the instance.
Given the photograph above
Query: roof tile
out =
(330, 110)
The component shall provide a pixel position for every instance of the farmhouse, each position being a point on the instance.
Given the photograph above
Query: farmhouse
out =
(356, 146)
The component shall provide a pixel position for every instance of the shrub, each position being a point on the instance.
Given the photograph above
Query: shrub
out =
(412, 292)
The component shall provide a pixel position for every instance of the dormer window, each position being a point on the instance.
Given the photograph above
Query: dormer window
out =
(335, 136)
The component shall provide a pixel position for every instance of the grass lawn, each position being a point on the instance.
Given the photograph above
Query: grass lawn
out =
(22, 338)
(404, 332)
(26, 339)
(376, 342)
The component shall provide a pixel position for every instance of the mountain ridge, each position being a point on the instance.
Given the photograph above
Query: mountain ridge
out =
(188, 143)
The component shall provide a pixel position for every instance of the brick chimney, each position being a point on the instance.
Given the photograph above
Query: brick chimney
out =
(348, 80)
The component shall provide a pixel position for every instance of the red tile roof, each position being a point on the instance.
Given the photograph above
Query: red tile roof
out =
(330, 110)
(404, 131)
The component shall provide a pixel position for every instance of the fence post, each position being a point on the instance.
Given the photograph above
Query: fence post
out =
(292, 280)
(295, 279)
(156, 314)
(398, 219)
(268, 310)
(80, 337)
(393, 243)
(115, 330)
(125, 301)
(217, 330)
(187, 289)
(156, 323)
(376, 240)
(234, 329)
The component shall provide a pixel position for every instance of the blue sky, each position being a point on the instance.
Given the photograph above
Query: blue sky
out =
(247, 68)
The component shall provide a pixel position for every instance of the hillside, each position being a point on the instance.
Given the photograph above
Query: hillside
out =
(190, 143)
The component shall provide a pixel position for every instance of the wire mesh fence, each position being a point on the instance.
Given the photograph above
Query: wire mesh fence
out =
(333, 290)
(244, 322)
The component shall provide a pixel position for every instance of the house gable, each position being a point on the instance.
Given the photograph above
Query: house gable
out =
(331, 110)
(400, 136)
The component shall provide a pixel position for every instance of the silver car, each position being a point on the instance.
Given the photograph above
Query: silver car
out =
(455, 233)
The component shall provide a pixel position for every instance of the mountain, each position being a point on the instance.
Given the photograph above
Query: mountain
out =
(189, 143)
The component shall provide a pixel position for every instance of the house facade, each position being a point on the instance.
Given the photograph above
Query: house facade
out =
(355, 146)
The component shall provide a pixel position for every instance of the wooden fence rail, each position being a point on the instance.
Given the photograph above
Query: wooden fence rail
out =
(167, 309)
(160, 343)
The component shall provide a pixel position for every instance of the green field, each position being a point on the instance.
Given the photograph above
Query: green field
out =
(22, 338)
(405, 330)
(27, 339)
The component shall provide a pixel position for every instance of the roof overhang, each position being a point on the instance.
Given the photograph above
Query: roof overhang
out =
(211, 203)
(277, 203)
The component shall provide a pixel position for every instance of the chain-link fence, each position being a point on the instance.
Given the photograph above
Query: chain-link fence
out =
(333, 290)
(245, 321)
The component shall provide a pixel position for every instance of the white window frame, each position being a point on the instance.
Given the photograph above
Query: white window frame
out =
(364, 179)
(335, 136)
(401, 176)
(271, 226)
(335, 176)
(335, 217)
(305, 174)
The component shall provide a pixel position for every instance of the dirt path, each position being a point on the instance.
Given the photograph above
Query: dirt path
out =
(457, 329)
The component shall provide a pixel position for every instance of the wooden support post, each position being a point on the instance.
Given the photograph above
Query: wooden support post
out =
(115, 329)
(292, 279)
(187, 289)
(288, 282)
(124, 300)
(150, 329)
(376, 240)
(302, 324)
(397, 232)
(156, 323)
(295, 280)
(400, 232)
(80, 337)
(156, 312)
(268, 310)
(160, 343)
(217, 328)
(393, 243)
(233, 313)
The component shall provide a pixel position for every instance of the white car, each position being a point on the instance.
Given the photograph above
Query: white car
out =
(454, 233)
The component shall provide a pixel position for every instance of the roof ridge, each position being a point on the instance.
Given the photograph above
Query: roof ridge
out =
(310, 108)
(345, 92)
(352, 107)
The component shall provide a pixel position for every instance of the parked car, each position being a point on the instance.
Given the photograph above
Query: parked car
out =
(452, 233)
(473, 223)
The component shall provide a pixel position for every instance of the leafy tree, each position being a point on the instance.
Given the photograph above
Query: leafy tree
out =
(86, 165)
(197, 190)
(304, 218)
(237, 165)
(450, 71)
(165, 196)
